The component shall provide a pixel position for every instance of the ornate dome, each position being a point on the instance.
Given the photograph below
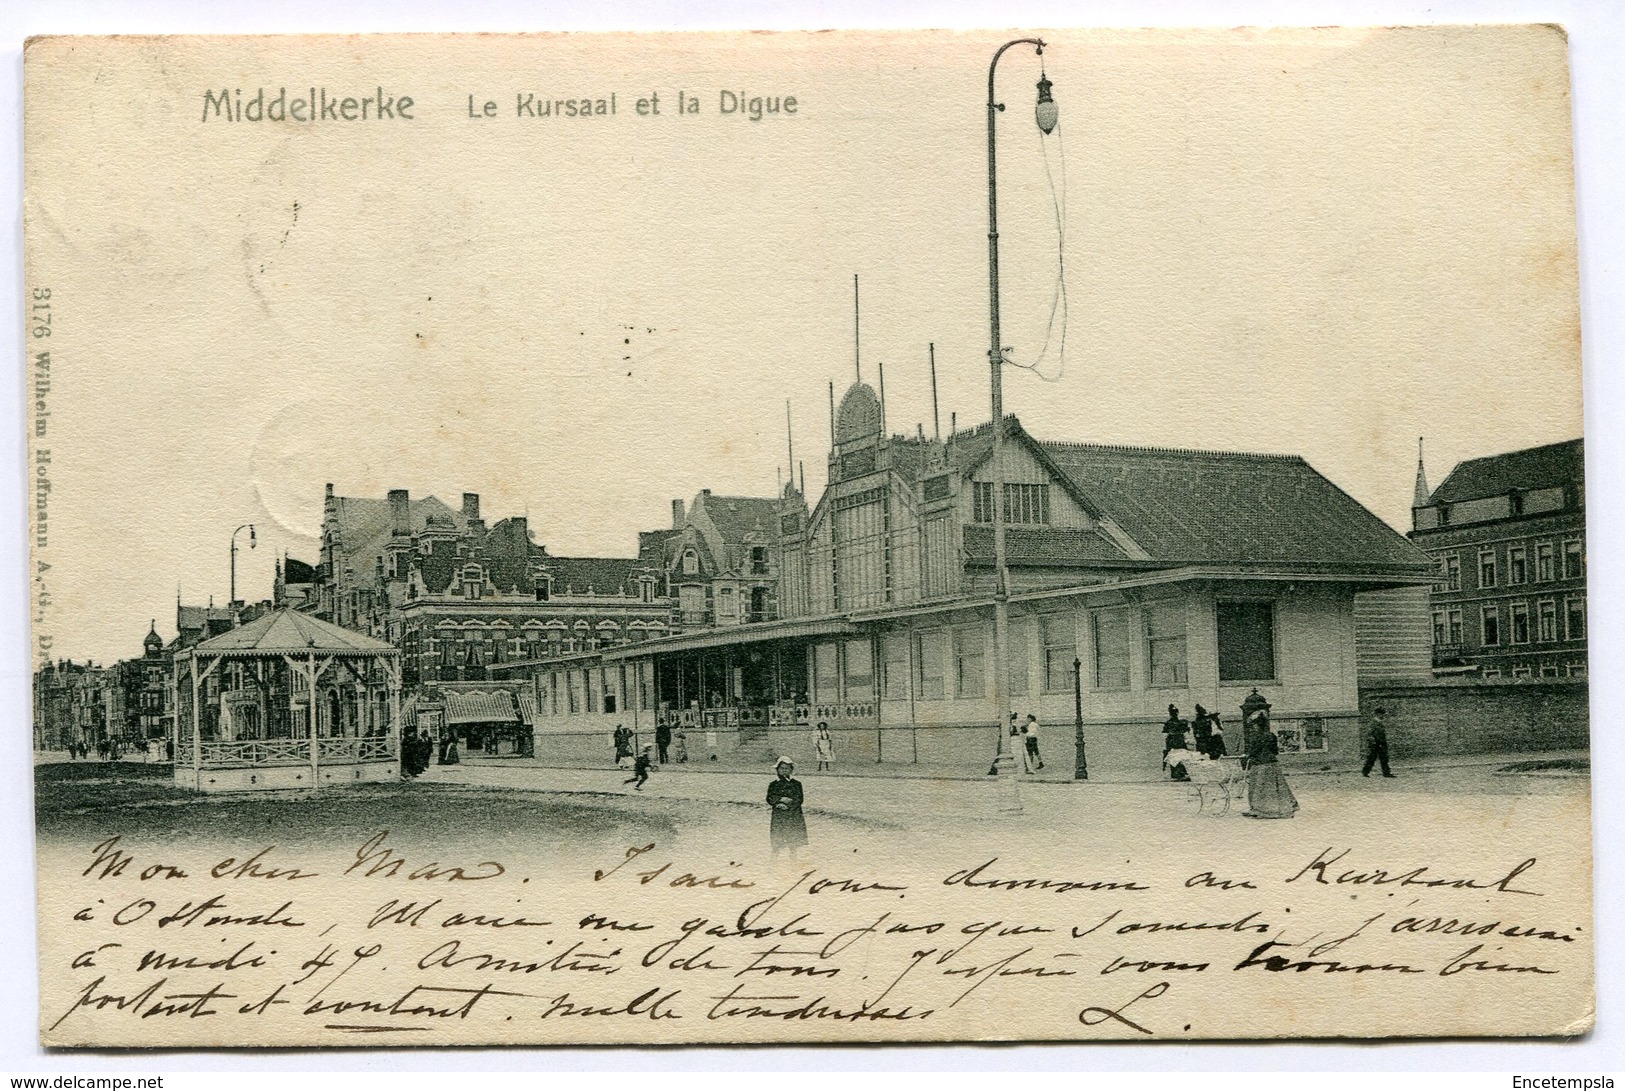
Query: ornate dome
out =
(859, 416)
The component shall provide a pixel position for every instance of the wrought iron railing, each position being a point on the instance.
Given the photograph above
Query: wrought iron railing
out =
(255, 752)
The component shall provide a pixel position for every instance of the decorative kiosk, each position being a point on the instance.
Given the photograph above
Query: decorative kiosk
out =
(286, 701)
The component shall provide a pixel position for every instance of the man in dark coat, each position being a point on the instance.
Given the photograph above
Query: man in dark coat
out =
(663, 742)
(1376, 744)
(1173, 738)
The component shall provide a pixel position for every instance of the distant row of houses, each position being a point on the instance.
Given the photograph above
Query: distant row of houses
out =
(1139, 578)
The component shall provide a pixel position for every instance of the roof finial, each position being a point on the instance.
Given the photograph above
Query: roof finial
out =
(857, 356)
(1423, 495)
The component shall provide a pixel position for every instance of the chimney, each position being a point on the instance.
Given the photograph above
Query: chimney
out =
(400, 513)
(677, 515)
(471, 507)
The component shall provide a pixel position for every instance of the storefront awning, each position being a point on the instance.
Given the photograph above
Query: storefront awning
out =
(481, 708)
(732, 635)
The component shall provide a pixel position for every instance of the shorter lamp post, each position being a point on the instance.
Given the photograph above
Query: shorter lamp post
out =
(1081, 769)
(251, 541)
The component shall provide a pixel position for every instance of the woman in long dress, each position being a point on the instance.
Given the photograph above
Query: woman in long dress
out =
(787, 829)
(1268, 794)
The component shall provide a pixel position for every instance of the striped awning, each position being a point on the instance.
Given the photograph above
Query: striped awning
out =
(481, 708)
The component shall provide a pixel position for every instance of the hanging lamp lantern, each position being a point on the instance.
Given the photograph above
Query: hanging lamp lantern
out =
(1046, 110)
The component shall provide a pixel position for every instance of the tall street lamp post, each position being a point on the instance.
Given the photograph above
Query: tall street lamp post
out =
(250, 528)
(1045, 113)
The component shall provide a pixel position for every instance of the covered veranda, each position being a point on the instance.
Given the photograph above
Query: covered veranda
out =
(286, 701)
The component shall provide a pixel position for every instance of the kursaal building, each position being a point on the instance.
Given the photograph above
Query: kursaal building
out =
(1139, 578)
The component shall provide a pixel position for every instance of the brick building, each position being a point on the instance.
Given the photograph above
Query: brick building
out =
(1507, 534)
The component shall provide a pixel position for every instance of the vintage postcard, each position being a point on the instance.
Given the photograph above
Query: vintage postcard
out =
(1042, 535)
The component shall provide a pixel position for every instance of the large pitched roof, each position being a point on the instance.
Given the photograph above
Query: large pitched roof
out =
(603, 575)
(1553, 466)
(736, 517)
(365, 525)
(1212, 507)
(293, 633)
(1185, 507)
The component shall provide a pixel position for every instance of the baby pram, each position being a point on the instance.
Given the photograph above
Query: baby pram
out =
(1214, 782)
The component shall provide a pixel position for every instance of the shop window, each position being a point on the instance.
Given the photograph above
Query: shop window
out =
(969, 652)
(1247, 641)
(1165, 645)
(1111, 639)
(930, 651)
(857, 664)
(1060, 636)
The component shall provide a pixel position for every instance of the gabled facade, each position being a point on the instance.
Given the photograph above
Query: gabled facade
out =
(467, 602)
(720, 560)
(1139, 578)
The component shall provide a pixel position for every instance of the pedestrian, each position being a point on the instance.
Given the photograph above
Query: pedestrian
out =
(682, 748)
(448, 750)
(663, 742)
(825, 748)
(623, 745)
(1201, 731)
(1216, 748)
(1268, 794)
(1173, 738)
(1029, 735)
(787, 829)
(1376, 744)
(640, 769)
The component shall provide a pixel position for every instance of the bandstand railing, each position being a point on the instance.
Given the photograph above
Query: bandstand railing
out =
(346, 750)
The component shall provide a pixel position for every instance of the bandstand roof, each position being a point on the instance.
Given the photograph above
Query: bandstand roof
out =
(289, 632)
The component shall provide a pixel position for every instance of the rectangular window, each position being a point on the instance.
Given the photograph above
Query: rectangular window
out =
(1019, 632)
(1573, 559)
(1165, 645)
(1518, 622)
(1454, 631)
(1023, 504)
(1486, 568)
(1517, 565)
(726, 611)
(1246, 642)
(895, 647)
(1452, 573)
(982, 502)
(1111, 637)
(969, 650)
(930, 649)
(857, 661)
(1543, 562)
(1546, 620)
(1060, 635)
(1438, 628)
(1522, 672)
(1577, 670)
(1490, 617)
(1026, 504)
(826, 667)
(1548, 670)
(1574, 609)
(1491, 673)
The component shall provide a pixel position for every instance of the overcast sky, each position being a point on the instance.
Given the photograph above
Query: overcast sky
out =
(1322, 243)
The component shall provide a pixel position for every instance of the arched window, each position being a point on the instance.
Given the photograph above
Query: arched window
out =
(691, 563)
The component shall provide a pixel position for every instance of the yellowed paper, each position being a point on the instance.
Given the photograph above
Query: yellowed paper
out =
(465, 466)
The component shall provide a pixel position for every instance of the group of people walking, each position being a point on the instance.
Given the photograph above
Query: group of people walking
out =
(419, 750)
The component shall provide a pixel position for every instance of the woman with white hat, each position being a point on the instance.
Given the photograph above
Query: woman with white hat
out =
(788, 829)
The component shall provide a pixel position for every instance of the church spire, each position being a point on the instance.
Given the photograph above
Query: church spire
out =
(1424, 495)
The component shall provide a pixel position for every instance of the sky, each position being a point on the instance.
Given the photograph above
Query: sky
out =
(1322, 243)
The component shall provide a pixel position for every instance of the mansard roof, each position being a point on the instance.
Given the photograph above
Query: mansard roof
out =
(1552, 466)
